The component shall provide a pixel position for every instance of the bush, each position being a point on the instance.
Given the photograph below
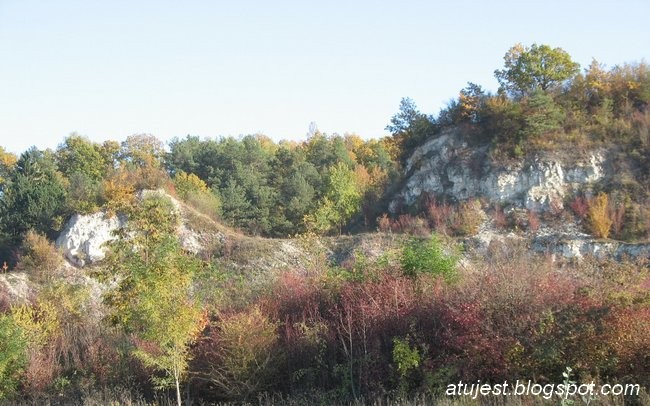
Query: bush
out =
(188, 183)
(533, 221)
(580, 206)
(39, 257)
(468, 218)
(237, 354)
(411, 225)
(383, 223)
(118, 192)
(427, 257)
(599, 216)
(13, 347)
(440, 215)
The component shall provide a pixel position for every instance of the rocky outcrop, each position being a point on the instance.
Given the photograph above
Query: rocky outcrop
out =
(579, 246)
(84, 237)
(446, 167)
(16, 286)
(571, 246)
(83, 240)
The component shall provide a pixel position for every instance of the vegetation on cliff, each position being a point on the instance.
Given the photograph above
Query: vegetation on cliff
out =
(405, 313)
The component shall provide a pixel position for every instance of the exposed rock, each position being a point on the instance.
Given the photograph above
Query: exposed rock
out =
(17, 285)
(446, 167)
(84, 237)
(579, 246)
(190, 240)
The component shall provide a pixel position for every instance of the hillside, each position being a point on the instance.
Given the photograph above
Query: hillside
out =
(505, 238)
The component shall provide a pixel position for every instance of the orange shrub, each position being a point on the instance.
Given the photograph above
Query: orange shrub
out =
(383, 223)
(119, 191)
(600, 220)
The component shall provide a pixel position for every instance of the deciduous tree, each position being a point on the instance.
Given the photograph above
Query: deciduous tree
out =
(536, 67)
(152, 300)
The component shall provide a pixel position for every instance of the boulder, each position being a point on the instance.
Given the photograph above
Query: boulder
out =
(83, 240)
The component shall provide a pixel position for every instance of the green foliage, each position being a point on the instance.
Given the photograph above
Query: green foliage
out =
(268, 188)
(405, 357)
(39, 322)
(187, 183)
(427, 257)
(152, 300)
(541, 115)
(34, 198)
(154, 220)
(342, 200)
(409, 128)
(13, 355)
(84, 194)
(538, 67)
(84, 164)
(78, 155)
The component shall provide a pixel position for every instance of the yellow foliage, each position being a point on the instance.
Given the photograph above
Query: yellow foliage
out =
(600, 220)
(119, 192)
(38, 322)
(597, 77)
(7, 162)
(187, 183)
(39, 256)
(362, 178)
(246, 347)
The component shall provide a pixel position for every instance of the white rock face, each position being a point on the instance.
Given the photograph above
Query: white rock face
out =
(579, 246)
(84, 237)
(17, 285)
(447, 167)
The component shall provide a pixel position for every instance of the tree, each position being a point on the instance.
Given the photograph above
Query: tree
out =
(152, 299)
(34, 197)
(541, 115)
(143, 150)
(78, 155)
(7, 162)
(341, 201)
(538, 67)
(409, 128)
(188, 183)
(83, 163)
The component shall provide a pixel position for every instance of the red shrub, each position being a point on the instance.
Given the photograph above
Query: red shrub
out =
(628, 336)
(500, 220)
(580, 206)
(412, 225)
(533, 221)
(383, 223)
(439, 215)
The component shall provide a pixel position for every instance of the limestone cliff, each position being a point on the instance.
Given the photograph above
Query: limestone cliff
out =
(446, 167)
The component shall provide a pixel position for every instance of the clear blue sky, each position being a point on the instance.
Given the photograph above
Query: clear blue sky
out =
(108, 69)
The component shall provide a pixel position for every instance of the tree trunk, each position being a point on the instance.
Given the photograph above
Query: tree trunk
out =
(178, 390)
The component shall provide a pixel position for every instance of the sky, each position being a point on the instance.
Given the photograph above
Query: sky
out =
(109, 69)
